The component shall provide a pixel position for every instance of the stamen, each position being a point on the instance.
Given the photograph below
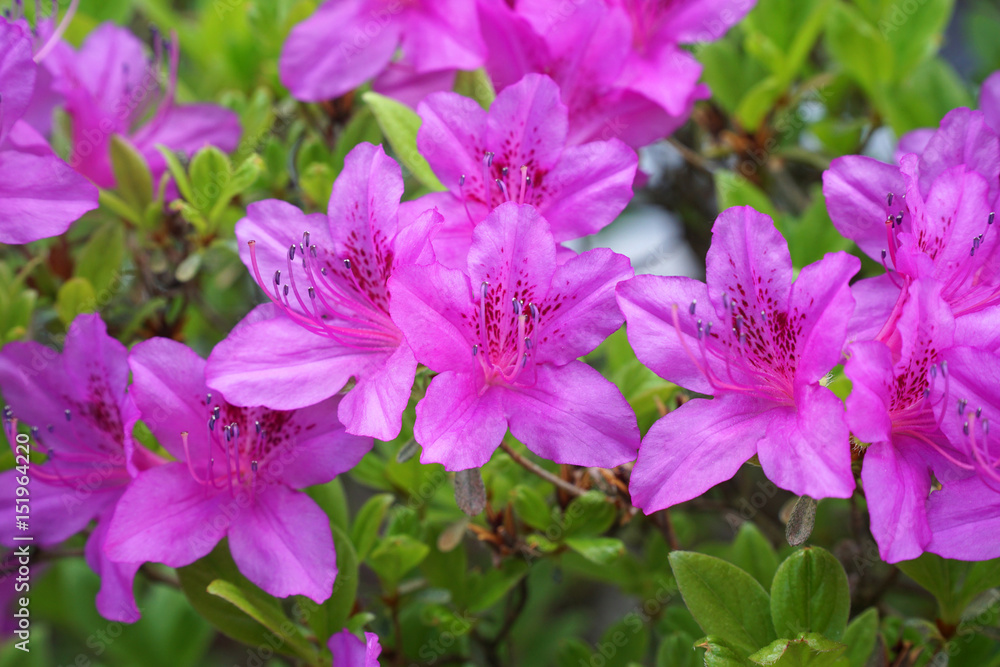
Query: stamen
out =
(58, 32)
(69, 415)
(693, 306)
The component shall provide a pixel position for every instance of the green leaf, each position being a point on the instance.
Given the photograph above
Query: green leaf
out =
(188, 268)
(809, 650)
(734, 190)
(676, 650)
(101, 257)
(119, 206)
(210, 176)
(953, 583)
(394, 557)
(327, 618)
(724, 600)
(573, 653)
(332, 500)
(399, 124)
(476, 85)
(719, 654)
(754, 554)
(914, 31)
(810, 594)
(531, 507)
(487, 589)
(861, 637)
(219, 565)
(625, 642)
(177, 171)
(857, 45)
(812, 235)
(589, 514)
(265, 611)
(75, 296)
(600, 550)
(135, 183)
(364, 531)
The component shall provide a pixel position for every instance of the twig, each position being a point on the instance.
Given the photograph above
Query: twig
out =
(690, 156)
(666, 527)
(541, 472)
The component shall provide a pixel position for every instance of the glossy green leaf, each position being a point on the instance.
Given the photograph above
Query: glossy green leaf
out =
(720, 654)
(476, 85)
(329, 617)
(676, 650)
(754, 554)
(399, 124)
(589, 514)
(532, 507)
(265, 611)
(364, 530)
(600, 550)
(810, 594)
(861, 638)
(75, 296)
(808, 650)
(394, 557)
(724, 600)
(134, 181)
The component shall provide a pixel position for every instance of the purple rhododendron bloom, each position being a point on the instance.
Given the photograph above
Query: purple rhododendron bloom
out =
(347, 42)
(110, 85)
(617, 62)
(82, 420)
(891, 407)
(238, 473)
(517, 152)
(505, 338)
(349, 651)
(326, 276)
(760, 345)
(40, 195)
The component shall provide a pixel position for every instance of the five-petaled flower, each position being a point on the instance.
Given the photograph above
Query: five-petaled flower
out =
(238, 474)
(760, 345)
(81, 419)
(505, 338)
(326, 276)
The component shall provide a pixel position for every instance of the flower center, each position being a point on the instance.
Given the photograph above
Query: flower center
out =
(505, 336)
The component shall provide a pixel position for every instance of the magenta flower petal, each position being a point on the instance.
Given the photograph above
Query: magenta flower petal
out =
(703, 21)
(589, 314)
(558, 417)
(186, 128)
(57, 513)
(874, 299)
(165, 516)
(896, 480)
(376, 403)
(350, 651)
(698, 445)
(649, 304)
(443, 35)
(914, 142)
(331, 53)
(960, 515)
(460, 421)
(807, 449)
(17, 75)
(288, 528)
(40, 195)
(451, 139)
(964, 137)
(989, 101)
(529, 122)
(822, 291)
(870, 368)
(667, 75)
(265, 361)
(115, 599)
(856, 188)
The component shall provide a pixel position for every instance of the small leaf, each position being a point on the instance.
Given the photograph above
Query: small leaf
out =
(177, 171)
(265, 611)
(801, 522)
(75, 296)
(399, 124)
(720, 654)
(676, 650)
(394, 557)
(101, 257)
(589, 514)
(754, 554)
(724, 600)
(188, 268)
(531, 507)
(861, 637)
(600, 550)
(488, 589)
(332, 615)
(808, 650)
(470, 494)
(364, 531)
(210, 176)
(734, 190)
(810, 594)
(134, 181)
(476, 85)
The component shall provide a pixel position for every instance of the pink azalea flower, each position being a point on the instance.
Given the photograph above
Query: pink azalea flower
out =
(110, 85)
(237, 474)
(517, 152)
(891, 407)
(349, 651)
(40, 195)
(760, 345)
(930, 217)
(347, 42)
(964, 515)
(504, 339)
(326, 276)
(82, 420)
(617, 62)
